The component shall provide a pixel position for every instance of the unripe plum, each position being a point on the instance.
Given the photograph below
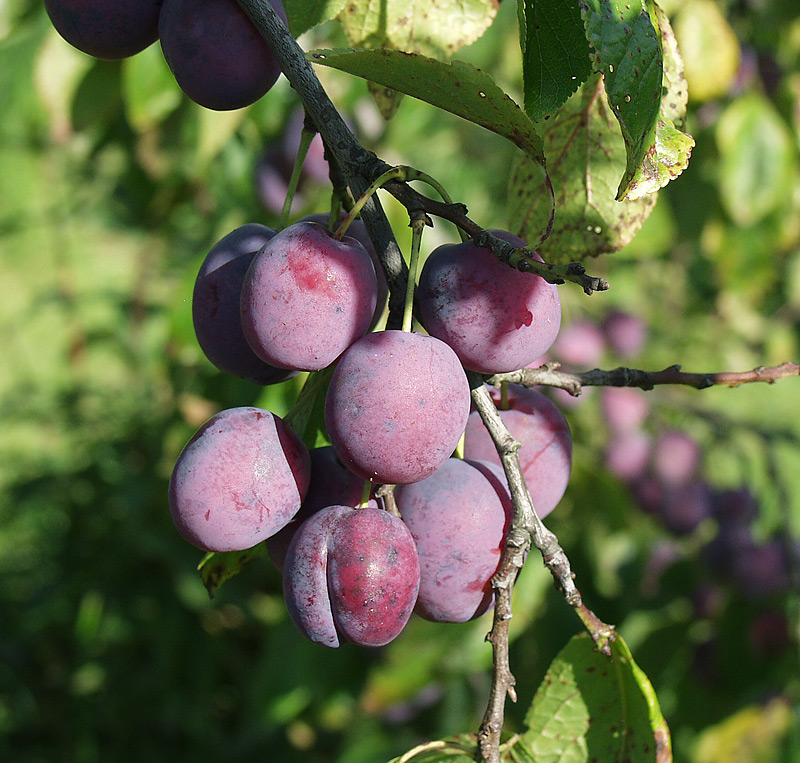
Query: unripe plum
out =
(307, 297)
(351, 574)
(105, 29)
(240, 479)
(396, 406)
(216, 54)
(459, 517)
(545, 454)
(215, 305)
(494, 317)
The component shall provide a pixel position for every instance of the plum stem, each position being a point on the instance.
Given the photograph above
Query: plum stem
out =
(392, 173)
(418, 223)
(365, 494)
(306, 136)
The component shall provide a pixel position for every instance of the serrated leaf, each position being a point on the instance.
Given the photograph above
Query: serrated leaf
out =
(216, 567)
(555, 54)
(758, 168)
(457, 87)
(304, 14)
(592, 707)
(626, 49)
(434, 29)
(675, 95)
(307, 416)
(584, 153)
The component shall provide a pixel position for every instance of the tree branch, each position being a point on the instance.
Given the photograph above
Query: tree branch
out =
(526, 528)
(549, 375)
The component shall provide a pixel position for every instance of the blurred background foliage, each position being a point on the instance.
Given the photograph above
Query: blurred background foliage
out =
(113, 186)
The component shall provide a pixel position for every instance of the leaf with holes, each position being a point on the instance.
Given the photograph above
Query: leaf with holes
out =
(555, 54)
(584, 154)
(434, 29)
(593, 707)
(462, 90)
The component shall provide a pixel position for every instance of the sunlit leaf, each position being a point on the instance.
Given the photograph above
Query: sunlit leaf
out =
(433, 29)
(709, 48)
(304, 14)
(592, 707)
(584, 153)
(555, 54)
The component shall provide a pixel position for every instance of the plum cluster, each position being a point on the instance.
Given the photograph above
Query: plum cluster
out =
(270, 304)
(216, 54)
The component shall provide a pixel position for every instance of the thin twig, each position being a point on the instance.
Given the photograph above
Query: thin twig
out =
(550, 375)
(525, 528)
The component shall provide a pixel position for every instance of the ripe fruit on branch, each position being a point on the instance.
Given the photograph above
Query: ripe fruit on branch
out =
(240, 479)
(307, 297)
(215, 305)
(106, 29)
(396, 406)
(546, 452)
(217, 56)
(351, 574)
(459, 517)
(496, 318)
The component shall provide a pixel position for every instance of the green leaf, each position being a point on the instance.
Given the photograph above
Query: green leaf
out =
(456, 749)
(709, 48)
(584, 154)
(433, 29)
(758, 168)
(218, 566)
(150, 90)
(592, 707)
(675, 95)
(627, 50)
(307, 416)
(555, 54)
(456, 87)
(304, 14)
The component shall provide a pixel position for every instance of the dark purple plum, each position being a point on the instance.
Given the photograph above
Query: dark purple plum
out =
(307, 297)
(494, 317)
(459, 517)
(546, 452)
(685, 506)
(105, 29)
(396, 406)
(759, 570)
(240, 479)
(215, 306)
(358, 231)
(217, 56)
(331, 484)
(625, 334)
(351, 574)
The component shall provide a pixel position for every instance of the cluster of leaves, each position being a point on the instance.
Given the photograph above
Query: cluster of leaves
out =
(105, 214)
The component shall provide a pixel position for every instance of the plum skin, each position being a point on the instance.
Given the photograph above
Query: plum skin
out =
(215, 306)
(459, 517)
(396, 406)
(307, 297)
(546, 452)
(351, 574)
(103, 29)
(496, 318)
(239, 479)
(215, 53)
